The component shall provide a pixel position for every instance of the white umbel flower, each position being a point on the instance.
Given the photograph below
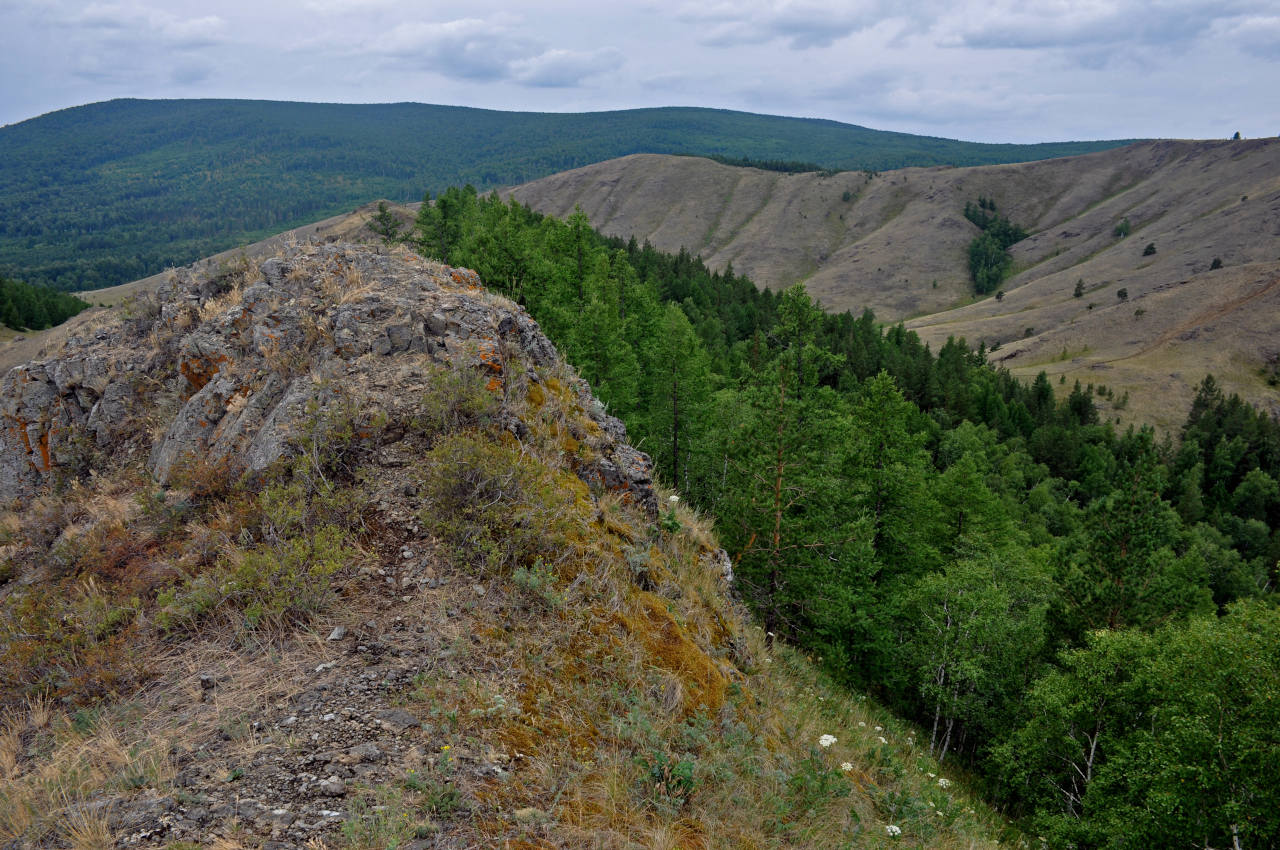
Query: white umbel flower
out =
(826, 741)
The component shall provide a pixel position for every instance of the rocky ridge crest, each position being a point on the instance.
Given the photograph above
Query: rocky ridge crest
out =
(245, 357)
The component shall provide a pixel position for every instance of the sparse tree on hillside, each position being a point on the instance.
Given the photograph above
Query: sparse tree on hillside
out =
(385, 224)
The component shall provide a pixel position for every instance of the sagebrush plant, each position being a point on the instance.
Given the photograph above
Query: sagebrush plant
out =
(458, 401)
(498, 507)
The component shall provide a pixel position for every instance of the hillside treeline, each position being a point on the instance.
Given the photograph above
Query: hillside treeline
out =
(111, 192)
(23, 306)
(1086, 618)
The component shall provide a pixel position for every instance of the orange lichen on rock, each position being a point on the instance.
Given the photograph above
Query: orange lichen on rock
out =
(488, 355)
(465, 277)
(200, 370)
(43, 441)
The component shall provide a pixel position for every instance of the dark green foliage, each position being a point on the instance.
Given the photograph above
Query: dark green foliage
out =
(35, 307)
(988, 263)
(1155, 740)
(385, 224)
(1122, 229)
(989, 260)
(111, 192)
(1216, 264)
(1122, 294)
(1149, 250)
(1078, 292)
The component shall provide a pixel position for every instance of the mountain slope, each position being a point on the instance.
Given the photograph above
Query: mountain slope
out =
(106, 193)
(896, 243)
(344, 555)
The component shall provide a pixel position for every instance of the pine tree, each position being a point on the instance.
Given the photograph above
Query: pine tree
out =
(678, 389)
(784, 510)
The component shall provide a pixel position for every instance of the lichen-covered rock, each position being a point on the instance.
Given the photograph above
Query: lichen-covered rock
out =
(248, 367)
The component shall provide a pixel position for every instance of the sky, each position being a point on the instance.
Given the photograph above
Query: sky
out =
(981, 70)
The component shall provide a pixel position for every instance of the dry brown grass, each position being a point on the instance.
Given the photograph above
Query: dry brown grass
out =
(49, 795)
(85, 829)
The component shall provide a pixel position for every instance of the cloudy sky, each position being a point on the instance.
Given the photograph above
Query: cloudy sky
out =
(986, 70)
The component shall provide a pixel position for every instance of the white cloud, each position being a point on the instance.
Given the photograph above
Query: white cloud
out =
(467, 48)
(801, 23)
(138, 23)
(1258, 35)
(561, 68)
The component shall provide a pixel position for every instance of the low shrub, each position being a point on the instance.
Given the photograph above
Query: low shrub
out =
(500, 508)
(268, 583)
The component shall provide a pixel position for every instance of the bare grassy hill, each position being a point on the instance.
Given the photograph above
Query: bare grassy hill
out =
(895, 242)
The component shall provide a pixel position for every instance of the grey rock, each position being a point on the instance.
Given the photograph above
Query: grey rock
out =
(333, 787)
(368, 751)
(107, 416)
(254, 376)
(274, 271)
(397, 719)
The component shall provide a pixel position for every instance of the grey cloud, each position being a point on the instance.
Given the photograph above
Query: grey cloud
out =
(187, 75)
(130, 23)
(1048, 24)
(800, 23)
(468, 48)
(1256, 35)
(190, 33)
(492, 50)
(561, 68)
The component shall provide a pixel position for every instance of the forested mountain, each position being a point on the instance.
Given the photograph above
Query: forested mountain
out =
(110, 192)
(1086, 618)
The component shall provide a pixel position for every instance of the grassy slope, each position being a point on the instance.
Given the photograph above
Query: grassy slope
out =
(897, 245)
(101, 194)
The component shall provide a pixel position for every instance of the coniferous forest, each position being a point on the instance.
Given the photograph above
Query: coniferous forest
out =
(35, 307)
(1084, 619)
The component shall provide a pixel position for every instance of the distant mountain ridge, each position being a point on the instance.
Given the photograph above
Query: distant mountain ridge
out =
(106, 193)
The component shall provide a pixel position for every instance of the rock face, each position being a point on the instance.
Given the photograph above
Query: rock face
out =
(245, 360)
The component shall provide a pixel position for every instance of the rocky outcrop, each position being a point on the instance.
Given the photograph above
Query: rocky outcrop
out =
(53, 411)
(246, 364)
